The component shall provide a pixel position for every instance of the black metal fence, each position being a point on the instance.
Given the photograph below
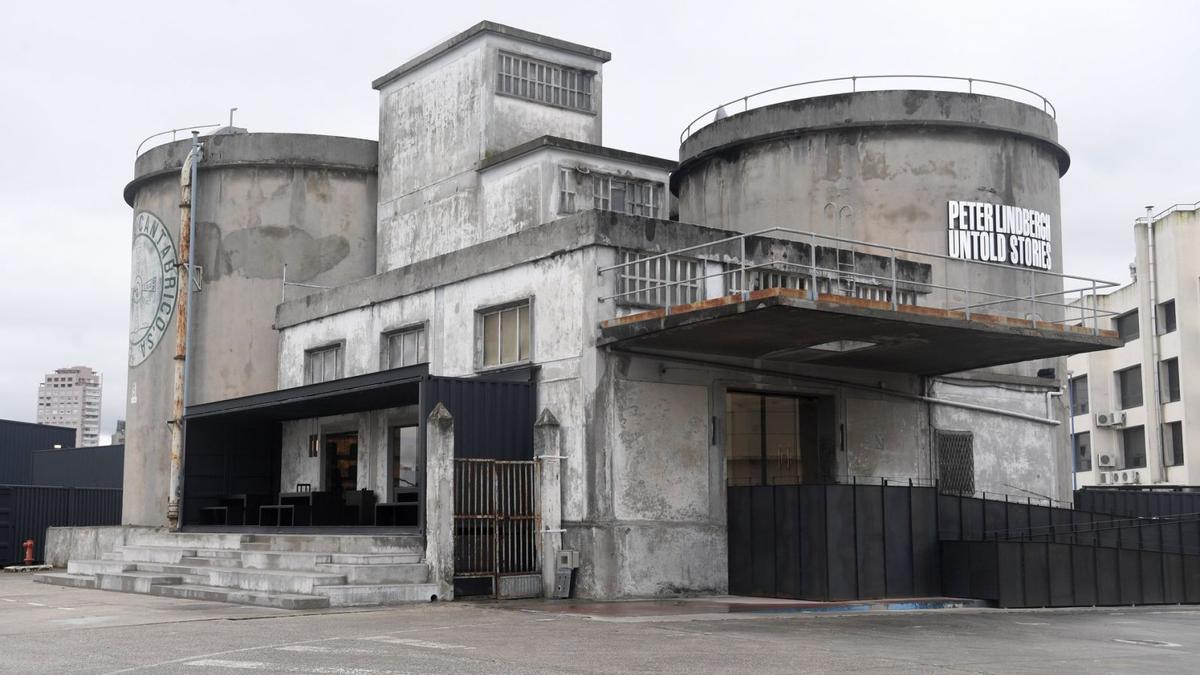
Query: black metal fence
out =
(1132, 501)
(27, 510)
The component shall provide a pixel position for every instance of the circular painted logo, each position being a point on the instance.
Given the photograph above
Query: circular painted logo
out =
(155, 286)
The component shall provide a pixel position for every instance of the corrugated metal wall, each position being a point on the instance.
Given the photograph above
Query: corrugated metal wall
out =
(492, 419)
(26, 511)
(100, 466)
(18, 440)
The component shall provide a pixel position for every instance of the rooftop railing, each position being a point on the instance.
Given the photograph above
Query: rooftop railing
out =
(826, 264)
(840, 85)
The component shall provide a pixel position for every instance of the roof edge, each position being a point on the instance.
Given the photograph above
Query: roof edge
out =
(575, 146)
(478, 29)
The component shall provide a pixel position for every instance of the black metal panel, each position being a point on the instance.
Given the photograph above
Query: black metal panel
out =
(26, 511)
(1010, 579)
(985, 570)
(1129, 574)
(1085, 532)
(1036, 572)
(814, 549)
(957, 569)
(949, 518)
(740, 541)
(98, 466)
(1108, 579)
(762, 545)
(1060, 520)
(1018, 516)
(493, 419)
(228, 456)
(787, 542)
(841, 541)
(898, 541)
(18, 441)
(995, 518)
(971, 510)
(1191, 578)
(1058, 559)
(926, 562)
(1153, 578)
(869, 545)
(1173, 589)
(1083, 576)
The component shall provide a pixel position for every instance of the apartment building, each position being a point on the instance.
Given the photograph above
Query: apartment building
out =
(70, 397)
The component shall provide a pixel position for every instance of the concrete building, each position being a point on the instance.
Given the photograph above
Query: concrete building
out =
(846, 288)
(70, 397)
(1132, 406)
(118, 437)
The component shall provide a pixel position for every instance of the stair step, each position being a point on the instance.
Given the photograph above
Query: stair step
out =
(157, 554)
(385, 543)
(376, 594)
(242, 597)
(135, 582)
(191, 540)
(199, 561)
(111, 555)
(66, 579)
(92, 567)
(272, 581)
(405, 573)
(375, 558)
(283, 560)
(219, 553)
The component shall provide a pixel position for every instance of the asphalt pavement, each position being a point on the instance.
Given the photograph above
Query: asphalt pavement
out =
(54, 629)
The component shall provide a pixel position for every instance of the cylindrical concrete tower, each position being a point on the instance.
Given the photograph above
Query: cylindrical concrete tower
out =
(261, 201)
(894, 168)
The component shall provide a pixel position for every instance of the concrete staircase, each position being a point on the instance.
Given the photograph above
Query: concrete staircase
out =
(288, 571)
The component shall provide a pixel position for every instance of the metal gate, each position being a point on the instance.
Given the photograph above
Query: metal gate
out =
(495, 520)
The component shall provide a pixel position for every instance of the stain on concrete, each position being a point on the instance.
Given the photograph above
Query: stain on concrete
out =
(260, 252)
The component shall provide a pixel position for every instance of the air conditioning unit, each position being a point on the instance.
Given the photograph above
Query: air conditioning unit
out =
(1107, 460)
(1110, 419)
(1122, 477)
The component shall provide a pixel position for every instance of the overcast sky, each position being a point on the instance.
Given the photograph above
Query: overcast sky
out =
(82, 83)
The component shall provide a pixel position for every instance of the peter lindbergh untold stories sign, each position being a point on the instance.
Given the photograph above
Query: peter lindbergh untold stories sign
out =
(998, 233)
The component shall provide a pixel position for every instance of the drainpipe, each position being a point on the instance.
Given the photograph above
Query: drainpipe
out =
(187, 178)
(1156, 417)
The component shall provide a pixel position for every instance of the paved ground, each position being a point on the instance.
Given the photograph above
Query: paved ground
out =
(53, 629)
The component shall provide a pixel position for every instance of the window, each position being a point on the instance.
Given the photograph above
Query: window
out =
(404, 462)
(1127, 326)
(566, 190)
(771, 440)
(1079, 395)
(956, 461)
(405, 347)
(1129, 387)
(1173, 443)
(323, 364)
(1082, 443)
(544, 82)
(1133, 442)
(644, 280)
(1169, 372)
(1166, 317)
(637, 198)
(505, 335)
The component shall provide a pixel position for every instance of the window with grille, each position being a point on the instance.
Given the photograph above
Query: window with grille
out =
(544, 82)
(406, 347)
(1129, 387)
(1133, 443)
(659, 281)
(322, 364)
(1173, 439)
(504, 334)
(1079, 395)
(1170, 380)
(566, 190)
(634, 197)
(1082, 442)
(956, 461)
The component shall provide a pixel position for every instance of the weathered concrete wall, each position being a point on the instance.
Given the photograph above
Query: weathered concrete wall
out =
(880, 167)
(262, 200)
(86, 543)
(437, 122)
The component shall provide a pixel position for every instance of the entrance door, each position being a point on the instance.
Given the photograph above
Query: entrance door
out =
(773, 444)
(341, 463)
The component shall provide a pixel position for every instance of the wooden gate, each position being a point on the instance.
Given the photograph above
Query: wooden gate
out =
(495, 519)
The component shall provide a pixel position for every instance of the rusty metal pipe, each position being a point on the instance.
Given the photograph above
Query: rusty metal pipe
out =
(186, 179)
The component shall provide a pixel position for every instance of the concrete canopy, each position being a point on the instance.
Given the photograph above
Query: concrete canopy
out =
(784, 325)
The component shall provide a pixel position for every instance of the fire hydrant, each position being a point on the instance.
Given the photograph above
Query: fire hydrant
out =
(28, 544)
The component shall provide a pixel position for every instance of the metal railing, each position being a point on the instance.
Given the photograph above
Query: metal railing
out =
(709, 116)
(1169, 210)
(1044, 291)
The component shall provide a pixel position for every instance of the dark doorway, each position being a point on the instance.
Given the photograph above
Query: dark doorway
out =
(341, 463)
(772, 442)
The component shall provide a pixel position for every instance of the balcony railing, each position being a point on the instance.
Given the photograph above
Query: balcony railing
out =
(840, 85)
(824, 264)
